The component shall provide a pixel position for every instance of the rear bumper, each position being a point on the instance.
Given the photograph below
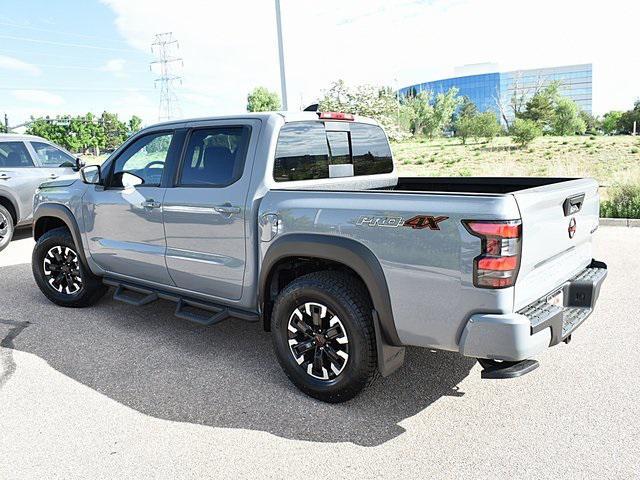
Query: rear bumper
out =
(521, 335)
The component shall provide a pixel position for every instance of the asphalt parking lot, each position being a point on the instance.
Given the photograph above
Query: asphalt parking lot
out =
(119, 392)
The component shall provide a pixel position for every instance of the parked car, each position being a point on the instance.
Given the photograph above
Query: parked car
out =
(27, 161)
(300, 221)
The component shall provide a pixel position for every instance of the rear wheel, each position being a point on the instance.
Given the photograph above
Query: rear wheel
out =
(60, 274)
(323, 336)
(6, 227)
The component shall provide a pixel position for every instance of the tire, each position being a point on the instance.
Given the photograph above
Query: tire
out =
(6, 227)
(330, 313)
(73, 285)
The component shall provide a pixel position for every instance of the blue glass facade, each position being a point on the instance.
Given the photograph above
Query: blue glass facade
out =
(488, 90)
(481, 89)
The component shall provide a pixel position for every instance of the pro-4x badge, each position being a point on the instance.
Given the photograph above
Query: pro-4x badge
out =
(417, 222)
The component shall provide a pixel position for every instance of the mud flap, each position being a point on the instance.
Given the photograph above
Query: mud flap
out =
(390, 358)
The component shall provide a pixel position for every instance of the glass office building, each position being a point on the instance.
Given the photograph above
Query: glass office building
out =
(488, 89)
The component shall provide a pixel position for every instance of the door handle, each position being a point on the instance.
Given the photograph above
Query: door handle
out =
(151, 204)
(226, 209)
(4, 176)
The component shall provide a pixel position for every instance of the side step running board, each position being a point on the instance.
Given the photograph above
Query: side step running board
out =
(197, 311)
(497, 370)
(195, 317)
(145, 297)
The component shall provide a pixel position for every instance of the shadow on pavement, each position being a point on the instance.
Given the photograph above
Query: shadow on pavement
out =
(225, 376)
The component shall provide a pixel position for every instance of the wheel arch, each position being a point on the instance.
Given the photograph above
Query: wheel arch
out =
(12, 206)
(49, 216)
(329, 250)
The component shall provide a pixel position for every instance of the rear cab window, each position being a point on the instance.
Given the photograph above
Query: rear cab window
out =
(310, 150)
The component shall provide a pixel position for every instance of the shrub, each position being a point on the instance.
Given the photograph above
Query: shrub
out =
(624, 202)
(525, 131)
(634, 150)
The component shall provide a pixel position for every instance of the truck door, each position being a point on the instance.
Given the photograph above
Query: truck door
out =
(204, 212)
(123, 217)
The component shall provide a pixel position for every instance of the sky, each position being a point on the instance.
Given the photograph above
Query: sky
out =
(75, 56)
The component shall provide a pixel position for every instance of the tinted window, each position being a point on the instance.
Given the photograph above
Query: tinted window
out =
(305, 150)
(51, 156)
(215, 156)
(144, 158)
(339, 147)
(14, 154)
(301, 152)
(370, 149)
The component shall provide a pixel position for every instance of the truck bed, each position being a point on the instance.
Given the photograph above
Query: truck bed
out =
(499, 185)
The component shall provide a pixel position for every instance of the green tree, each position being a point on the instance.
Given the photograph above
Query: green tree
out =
(262, 100)
(486, 126)
(524, 131)
(480, 125)
(444, 107)
(420, 111)
(611, 122)
(135, 124)
(465, 127)
(380, 103)
(541, 107)
(467, 108)
(431, 116)
(567, 119)
(628, 118)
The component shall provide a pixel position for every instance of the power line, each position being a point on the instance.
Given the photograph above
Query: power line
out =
(14, 51)
(64, 44)
(78, 89)
(162, 47)
(58, 32)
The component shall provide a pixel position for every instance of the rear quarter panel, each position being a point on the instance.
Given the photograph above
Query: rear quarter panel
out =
(428, 272)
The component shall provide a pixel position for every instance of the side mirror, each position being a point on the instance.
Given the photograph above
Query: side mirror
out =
(91, 175)
(79, 164)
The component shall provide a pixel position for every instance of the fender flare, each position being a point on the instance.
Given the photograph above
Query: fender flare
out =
(343, 250)
(61, 212)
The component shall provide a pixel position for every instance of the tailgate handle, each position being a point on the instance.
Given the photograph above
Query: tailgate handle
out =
(573, 204)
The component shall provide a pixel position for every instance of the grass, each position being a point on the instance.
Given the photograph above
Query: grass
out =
(610, 160)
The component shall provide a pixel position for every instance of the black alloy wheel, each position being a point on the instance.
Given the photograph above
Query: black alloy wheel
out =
(318, 341)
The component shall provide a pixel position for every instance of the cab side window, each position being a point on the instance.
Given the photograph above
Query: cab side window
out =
(51, 156)
(214, 156)
(14, 155)
(144, 158)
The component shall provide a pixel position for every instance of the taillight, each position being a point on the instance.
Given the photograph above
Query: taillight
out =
(335, 116)
(497, 266)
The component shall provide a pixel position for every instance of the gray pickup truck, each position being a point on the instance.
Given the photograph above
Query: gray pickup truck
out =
(299, 221)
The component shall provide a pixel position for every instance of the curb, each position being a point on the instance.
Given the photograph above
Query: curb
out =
(620, 222)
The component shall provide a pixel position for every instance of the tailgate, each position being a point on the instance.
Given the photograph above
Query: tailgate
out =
(558, 222)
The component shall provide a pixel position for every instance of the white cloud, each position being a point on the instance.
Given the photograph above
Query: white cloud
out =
(134, 102)
(17, 65)
(41, 97)
(230, 47)
(115, 66)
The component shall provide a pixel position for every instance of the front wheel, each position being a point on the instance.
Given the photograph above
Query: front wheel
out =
(323, 336)
(6, 227)
(60, 274)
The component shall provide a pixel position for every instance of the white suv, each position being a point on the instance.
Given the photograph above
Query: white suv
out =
(26, 162)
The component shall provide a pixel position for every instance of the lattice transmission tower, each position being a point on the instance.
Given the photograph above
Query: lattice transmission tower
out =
(165, 48)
